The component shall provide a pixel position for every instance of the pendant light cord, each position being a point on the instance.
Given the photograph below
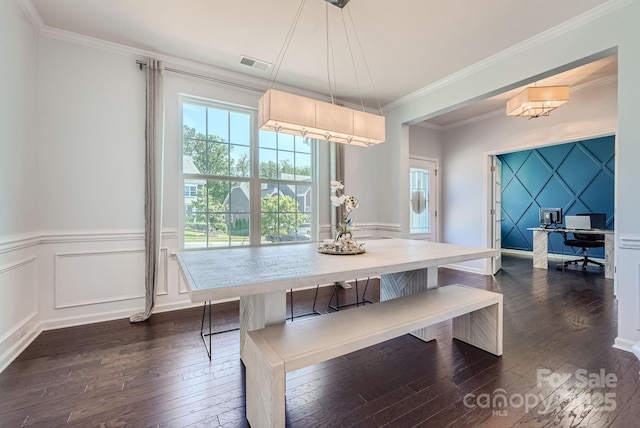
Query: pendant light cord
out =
(283, 49)
(329, 54)
(364, 58)
(329, 47)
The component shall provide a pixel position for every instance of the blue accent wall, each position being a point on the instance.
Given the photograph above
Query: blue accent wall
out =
(577, 177)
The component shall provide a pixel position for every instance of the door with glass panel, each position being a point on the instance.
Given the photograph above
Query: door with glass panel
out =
(496, 211)
(423, 199)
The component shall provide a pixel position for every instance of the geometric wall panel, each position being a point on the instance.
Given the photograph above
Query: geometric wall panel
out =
(577, 177)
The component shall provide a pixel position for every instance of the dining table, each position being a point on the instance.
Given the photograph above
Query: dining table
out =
(261, 275)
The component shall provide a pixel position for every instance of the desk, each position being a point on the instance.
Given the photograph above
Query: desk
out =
(541, 245)
(260, 276)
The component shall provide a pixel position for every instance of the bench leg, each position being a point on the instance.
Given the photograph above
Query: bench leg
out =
(481, 328)
(399, 284)
(265, 384)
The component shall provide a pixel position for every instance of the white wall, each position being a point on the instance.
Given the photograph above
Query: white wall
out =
(19, 204)
(425, 142)
(91, 174)
(612, 27)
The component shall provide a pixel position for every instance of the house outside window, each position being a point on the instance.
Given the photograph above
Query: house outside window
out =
(239, 191)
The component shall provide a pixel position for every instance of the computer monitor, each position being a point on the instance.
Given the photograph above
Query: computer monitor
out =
(550, 217)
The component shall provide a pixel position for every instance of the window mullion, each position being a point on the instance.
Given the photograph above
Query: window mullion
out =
(255, 187)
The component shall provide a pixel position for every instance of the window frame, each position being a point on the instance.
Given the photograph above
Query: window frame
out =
(254, 179)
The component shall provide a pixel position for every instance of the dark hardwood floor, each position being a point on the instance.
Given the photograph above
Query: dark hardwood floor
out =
(558, 368)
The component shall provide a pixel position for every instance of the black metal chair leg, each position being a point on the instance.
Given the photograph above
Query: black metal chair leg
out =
(210, 333)
(334, 293)
(315, 299)
(313, 310)
(364, 293)
(291, 302)
(357, 294)
(358, 301)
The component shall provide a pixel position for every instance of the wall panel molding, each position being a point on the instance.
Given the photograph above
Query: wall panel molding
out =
(19, 325)
(111, 270)
(53, 237)
(17, 242)
(365, 231)
(17, 265)
(18, 284)
(630, 242)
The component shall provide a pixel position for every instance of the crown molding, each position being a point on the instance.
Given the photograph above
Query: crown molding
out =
(32, 14)
(545, 36)
(184, 66)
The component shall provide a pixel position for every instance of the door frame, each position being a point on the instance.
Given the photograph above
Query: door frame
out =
(435, 233)
(487, 218)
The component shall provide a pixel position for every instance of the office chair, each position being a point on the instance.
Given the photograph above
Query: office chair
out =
(586, 241)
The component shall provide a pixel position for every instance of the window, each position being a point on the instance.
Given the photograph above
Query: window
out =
(191, 190)
(419, 197)
(423, 174)
(285, 185)
(238, 191)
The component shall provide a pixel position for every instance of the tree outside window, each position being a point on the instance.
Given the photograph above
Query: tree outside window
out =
(217, 161)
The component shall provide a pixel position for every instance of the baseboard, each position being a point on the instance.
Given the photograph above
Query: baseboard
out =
(624, 344)
(517, 253)
(552, 257)
(464, 268)
(23, 342)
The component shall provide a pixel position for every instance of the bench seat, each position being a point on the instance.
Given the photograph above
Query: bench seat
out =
(273, 351)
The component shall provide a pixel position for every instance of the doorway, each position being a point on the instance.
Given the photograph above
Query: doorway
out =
(423, 199)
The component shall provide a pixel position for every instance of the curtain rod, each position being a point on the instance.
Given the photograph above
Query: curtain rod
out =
(200, 76)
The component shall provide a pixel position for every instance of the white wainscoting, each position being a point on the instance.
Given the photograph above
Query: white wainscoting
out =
(93, 276)
(18, 296)
(55, 279)
(632, 242)
(365, 231)
(90, 277)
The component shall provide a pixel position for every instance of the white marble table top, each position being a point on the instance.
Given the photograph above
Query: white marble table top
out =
(227, 273)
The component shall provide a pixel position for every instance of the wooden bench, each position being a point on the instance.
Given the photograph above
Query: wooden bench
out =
(273, 351)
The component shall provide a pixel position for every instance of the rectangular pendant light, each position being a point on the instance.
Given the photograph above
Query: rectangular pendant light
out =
(298, 115)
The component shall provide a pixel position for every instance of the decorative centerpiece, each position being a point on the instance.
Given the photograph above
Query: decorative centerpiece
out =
(343, 243)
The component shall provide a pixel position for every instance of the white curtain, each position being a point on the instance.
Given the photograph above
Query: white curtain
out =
(154, 161)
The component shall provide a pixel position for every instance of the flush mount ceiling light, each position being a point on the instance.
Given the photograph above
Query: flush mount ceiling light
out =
(299, 115)
(537, 101)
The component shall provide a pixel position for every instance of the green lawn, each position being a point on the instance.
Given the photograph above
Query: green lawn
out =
(192, 237)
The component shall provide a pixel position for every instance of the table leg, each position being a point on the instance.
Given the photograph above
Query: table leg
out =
(608, 256)
(394, 285)
(540, 249)
(261, 310)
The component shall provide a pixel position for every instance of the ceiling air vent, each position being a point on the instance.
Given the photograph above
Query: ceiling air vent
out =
(254, 63)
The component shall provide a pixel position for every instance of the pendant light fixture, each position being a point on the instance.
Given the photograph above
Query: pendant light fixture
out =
(289, 113)
(537, 101)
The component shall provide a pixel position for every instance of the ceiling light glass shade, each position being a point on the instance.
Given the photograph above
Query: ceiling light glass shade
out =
(537, 101)
(297, 115)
